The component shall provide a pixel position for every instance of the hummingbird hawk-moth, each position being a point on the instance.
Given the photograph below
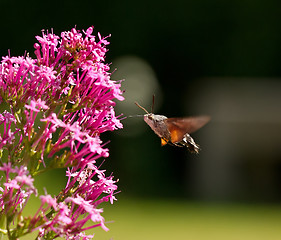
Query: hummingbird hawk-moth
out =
(175, 131)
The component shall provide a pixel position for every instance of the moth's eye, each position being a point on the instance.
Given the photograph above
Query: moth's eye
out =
(150, 117)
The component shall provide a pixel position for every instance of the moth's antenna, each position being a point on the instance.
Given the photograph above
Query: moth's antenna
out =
(153, 101)
(142, 107)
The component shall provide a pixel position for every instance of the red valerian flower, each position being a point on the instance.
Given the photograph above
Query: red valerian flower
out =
(56, 107)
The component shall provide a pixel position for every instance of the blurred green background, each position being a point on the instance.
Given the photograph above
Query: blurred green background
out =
(215, 57)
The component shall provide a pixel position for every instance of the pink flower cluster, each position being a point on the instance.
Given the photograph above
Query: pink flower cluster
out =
(56, 107)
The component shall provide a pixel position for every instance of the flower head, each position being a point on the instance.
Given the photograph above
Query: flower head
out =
(58, 105)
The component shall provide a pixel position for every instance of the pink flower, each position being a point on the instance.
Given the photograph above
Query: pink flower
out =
(58, 105)
(36, 105)
(17, 190)
(52, 202)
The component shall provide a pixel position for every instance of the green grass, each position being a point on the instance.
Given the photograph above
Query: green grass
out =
(136, 219)
(146, 219)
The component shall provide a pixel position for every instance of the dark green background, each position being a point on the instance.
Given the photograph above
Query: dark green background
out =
(237, 38)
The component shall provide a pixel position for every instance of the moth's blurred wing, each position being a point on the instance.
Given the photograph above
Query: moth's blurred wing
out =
(178, 127)
(164, 141)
